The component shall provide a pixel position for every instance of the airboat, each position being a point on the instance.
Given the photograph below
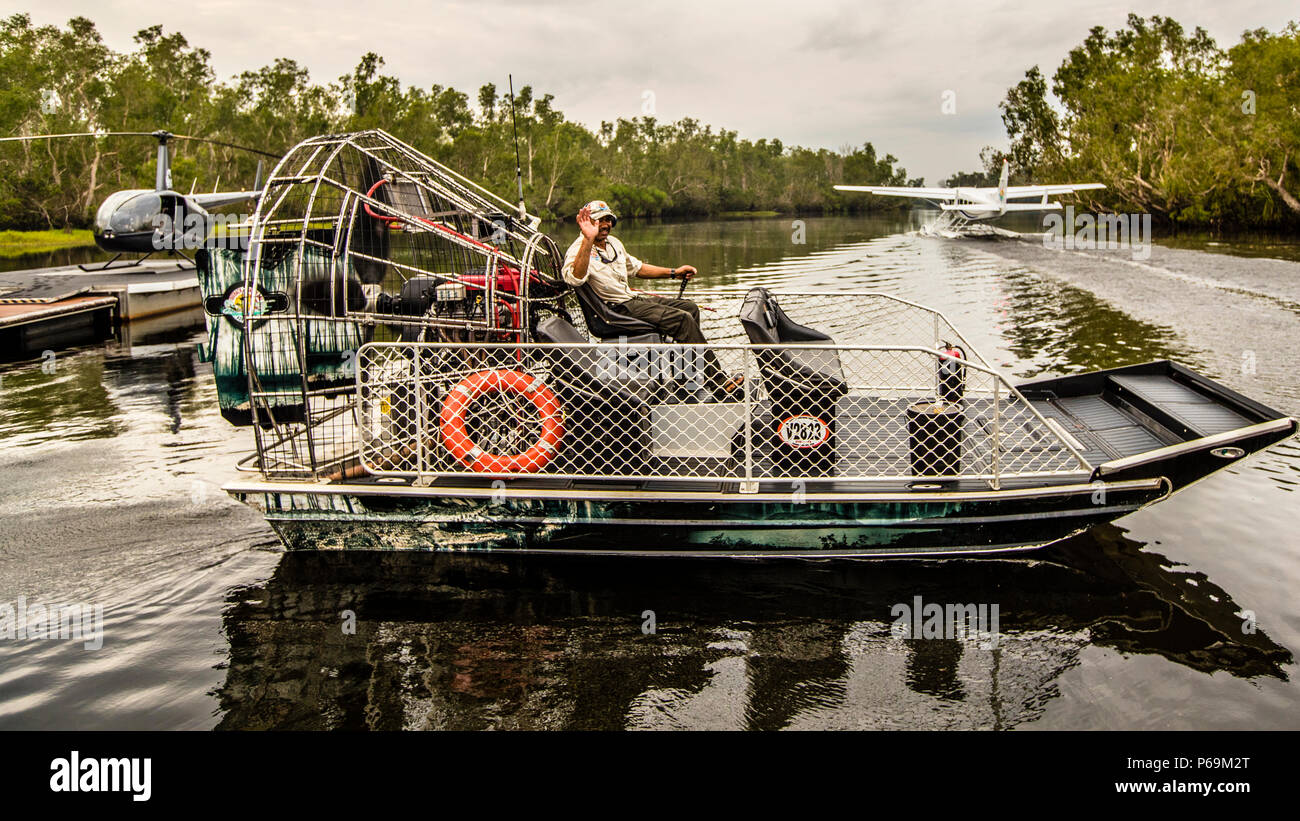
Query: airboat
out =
(417, 374)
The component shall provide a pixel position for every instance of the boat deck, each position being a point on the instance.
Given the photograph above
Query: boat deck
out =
(1105, 431)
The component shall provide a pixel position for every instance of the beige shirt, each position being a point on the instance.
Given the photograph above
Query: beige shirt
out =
(608, 279)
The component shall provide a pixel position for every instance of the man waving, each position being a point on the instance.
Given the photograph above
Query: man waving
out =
(598, 259)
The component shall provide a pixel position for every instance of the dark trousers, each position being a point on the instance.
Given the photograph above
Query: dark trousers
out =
(680, 319)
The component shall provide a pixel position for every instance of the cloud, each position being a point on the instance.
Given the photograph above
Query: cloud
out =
(844, 32)
(819, 73)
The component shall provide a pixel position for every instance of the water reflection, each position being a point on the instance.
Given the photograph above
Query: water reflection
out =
(1056, 328)
(77, 255)
(61, 398)
(1271, 246)
(70, 396)
(471, 642)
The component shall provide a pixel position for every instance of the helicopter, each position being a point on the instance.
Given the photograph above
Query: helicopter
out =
(145, 221)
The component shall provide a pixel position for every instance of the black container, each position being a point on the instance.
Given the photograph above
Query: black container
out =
(803, 440)
(805, 388)
(934, 438)
(606, 421)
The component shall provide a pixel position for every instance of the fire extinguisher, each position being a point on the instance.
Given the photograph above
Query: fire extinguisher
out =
(952, 374)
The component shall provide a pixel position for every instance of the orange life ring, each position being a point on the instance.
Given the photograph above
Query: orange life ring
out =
(456, 437)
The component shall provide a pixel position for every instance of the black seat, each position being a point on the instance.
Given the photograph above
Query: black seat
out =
(555, 328)
(606, 322)
(798, 383)
(610, 423)
(766, 324)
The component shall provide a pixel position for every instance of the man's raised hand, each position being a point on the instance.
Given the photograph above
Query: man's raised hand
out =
(586, 224)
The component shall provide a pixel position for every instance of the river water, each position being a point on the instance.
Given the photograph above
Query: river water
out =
(1179, 616)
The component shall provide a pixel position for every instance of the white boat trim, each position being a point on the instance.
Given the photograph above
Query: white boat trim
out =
(591, 494)
(1227, 437)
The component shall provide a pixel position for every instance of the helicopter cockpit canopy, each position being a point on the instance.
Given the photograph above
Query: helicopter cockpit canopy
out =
(128, 212)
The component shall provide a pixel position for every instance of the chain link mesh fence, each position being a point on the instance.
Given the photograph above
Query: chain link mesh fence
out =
(730, 412)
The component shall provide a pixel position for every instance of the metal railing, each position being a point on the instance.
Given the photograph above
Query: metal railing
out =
(855, 412)
(849, 317)
(858, 413)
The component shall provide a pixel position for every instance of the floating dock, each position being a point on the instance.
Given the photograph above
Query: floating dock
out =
(50, 308)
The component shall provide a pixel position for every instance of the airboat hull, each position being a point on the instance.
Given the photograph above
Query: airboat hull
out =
(829, 522)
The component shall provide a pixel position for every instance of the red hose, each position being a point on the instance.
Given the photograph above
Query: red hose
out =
(436, 226)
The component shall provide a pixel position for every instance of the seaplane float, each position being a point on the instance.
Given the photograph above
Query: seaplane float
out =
(416, 374)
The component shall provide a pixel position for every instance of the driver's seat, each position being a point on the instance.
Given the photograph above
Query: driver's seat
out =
(607, 323)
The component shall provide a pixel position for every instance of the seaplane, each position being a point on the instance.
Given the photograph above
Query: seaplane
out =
(960, 207)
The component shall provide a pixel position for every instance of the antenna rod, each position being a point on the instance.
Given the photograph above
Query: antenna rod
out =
(519, 170)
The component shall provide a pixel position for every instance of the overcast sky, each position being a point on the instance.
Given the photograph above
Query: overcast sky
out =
(819, 73)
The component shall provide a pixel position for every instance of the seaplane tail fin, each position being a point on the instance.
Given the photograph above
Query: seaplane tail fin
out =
(1002, 181)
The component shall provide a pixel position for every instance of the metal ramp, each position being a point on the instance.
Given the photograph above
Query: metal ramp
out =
(1199, 414)
(1105, 431)
(1140, 408)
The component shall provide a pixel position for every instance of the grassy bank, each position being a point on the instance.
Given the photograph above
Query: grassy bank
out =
(15, 243)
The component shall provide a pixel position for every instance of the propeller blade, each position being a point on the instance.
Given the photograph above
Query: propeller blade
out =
(316, 296)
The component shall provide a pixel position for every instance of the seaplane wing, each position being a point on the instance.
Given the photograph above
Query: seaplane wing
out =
(1016, 192)
(961, 206)
(902, 191)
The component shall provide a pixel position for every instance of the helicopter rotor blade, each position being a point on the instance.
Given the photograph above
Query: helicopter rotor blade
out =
(83, 134)
(139, 134)
(227, 145)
